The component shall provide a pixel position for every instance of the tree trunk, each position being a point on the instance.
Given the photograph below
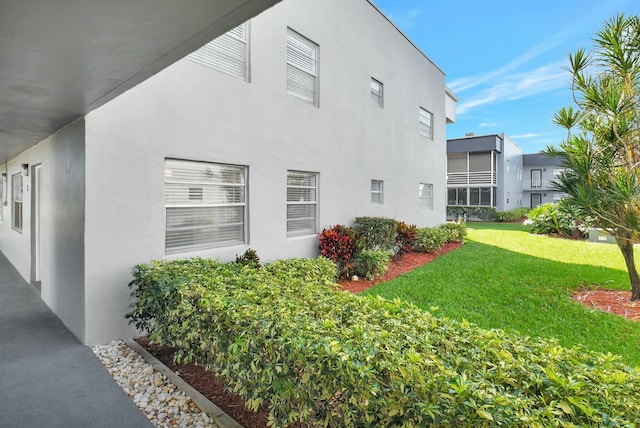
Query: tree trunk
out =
(626, 246)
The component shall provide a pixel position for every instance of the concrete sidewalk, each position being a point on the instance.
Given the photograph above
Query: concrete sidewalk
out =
(48, 378)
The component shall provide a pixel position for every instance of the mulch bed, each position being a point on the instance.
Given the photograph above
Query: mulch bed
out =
(613, 301)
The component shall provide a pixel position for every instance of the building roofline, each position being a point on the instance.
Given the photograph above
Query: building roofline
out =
(407, 38)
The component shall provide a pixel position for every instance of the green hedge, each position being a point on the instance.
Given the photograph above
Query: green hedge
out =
(472, 213)
(372, 264)
(323, 357)
(375, 233)
(513, 215)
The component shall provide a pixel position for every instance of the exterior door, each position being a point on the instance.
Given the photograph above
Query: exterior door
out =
(36, 198)
(536, 199)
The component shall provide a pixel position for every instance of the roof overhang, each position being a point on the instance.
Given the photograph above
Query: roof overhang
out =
(61, 59)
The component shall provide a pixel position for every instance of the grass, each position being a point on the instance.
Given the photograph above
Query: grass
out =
(506, 278)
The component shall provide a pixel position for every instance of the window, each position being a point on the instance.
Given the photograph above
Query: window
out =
(302, 68)
(425, 195)
(425, 123)
(376, 92)
(376, 192)
(302, 203)
(205, 205)
(16, 201)
(480, 196)
(457, 196)
(2, 196)
(536, 178)
(228, 53)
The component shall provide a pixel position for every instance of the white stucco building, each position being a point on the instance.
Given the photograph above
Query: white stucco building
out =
(308, 115)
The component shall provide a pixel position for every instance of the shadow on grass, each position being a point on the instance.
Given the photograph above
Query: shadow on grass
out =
(497, 288)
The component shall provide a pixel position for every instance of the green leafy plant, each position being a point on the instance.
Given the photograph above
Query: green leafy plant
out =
(338, 243)
(372, 264)
(375, 233)
(554, 218)
(249, 258)
(473, 213)
(323, 357)
(455, 232)
(513, 215)
(430, 239)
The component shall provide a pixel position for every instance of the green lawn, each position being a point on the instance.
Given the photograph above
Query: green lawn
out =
(504, 277)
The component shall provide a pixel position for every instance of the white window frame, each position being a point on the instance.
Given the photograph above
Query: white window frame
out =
(3, 180)
(425, 123)
(425, 196)
(377, 92)
(205, 203)
(299, 196)
(17, 201)
(302, 68)
(228, 53)
(377, 192)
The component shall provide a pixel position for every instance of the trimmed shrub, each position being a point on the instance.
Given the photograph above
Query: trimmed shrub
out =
(555, 218)
(322, 357)
(430, 239)
(511, 216)
(455, 232)
(405, 238)
(249, 258)
(375, 233)
(471, 213)
(338, 244)
(372, 264)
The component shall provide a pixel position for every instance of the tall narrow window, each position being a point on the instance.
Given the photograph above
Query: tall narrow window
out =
(16, 201)
(228, 53)
(302, 68)
(425, 123)
(302, 203)
(425, 195)
(205, 205)
(2, 197)
(377, 92)
(376, 192)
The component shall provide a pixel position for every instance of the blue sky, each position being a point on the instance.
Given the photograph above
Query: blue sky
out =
(504, 59)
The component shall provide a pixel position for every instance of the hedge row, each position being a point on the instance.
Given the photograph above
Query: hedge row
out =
(485, 213)
(284, 334)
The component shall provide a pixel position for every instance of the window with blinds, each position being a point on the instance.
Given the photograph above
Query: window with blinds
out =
(376, 92)
(302, 203)
(425, 196)
(376, 192)
(205, 205)
(425, 123)
(16, 201)
(302, 68)
(229, 53)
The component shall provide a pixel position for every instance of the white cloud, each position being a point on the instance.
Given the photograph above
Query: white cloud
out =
(516, 86)
(525, 136)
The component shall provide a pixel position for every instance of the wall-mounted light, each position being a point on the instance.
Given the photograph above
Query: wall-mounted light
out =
(25, 169)
(4, 175)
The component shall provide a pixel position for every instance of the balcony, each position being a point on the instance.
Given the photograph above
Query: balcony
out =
(537, 185)
(471, 178)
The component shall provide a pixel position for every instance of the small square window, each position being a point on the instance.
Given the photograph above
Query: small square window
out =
(377, 92)
(377, 192)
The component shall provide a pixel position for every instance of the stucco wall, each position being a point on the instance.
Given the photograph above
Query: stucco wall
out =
(191, 112)
(61, 157)
(509, 179)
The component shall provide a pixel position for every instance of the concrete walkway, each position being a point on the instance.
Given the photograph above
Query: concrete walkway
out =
(48, 378)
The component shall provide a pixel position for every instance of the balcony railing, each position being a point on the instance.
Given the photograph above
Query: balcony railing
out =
(479, 177)
(537, 184)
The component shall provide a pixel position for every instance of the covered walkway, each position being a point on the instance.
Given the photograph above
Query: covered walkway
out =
(48, 378)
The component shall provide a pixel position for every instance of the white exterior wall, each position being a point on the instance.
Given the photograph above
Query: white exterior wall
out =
(509, 181)
(61, 157)
(546, 191)
(191, 112)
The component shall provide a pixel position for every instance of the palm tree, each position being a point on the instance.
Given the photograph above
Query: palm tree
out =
(602, 148)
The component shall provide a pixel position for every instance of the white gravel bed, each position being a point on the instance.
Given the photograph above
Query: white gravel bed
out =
(161, 401)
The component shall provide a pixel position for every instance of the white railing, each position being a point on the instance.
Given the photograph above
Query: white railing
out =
(480, 177)
(537, 185)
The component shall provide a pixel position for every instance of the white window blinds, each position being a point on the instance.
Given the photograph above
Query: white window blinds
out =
(228, 53)
(205, 205)
(376, 92)
(425, 196)
(302, 203)
(425, 123)
(302, 68)
(376, 192)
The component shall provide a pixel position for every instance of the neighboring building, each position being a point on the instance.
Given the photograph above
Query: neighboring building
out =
(484, 171)
(539, 172)
(300, 119)
(492, 171)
